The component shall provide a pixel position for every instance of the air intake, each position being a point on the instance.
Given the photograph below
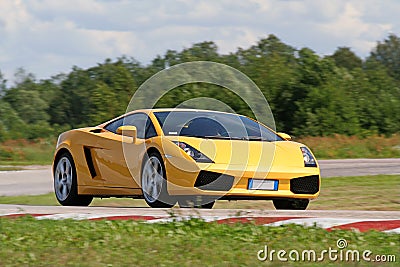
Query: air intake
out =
(214, 181)
(305, 185)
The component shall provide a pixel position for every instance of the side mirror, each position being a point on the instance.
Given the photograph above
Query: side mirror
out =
(128, 130)
(285, 136)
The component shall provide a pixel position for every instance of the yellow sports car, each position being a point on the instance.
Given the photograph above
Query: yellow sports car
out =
(189, 156)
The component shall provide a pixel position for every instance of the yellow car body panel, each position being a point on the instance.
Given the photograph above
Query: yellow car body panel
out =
(245, 160)
(102, 169)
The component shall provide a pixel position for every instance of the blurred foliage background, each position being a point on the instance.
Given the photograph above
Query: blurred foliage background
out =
(309, 95)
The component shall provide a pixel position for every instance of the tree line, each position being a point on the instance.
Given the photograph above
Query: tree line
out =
(309, 94)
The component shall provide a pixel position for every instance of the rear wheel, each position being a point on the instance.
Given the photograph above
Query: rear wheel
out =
(154, 182)
(66, 185)
(290, 204)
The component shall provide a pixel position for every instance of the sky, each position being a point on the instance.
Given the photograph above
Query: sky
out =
(48, 37)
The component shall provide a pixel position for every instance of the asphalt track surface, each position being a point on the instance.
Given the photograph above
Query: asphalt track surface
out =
(359, 167)
(38, 179)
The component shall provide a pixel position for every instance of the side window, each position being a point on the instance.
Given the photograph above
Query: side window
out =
(113, 126)
(144, 126)
(150, 130)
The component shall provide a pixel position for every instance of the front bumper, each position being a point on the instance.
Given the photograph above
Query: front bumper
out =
(232, 182)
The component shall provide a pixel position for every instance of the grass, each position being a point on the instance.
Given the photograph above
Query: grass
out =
(10, 168)
(343, 147)
(23, 152)
(380, 192)
(29, 242)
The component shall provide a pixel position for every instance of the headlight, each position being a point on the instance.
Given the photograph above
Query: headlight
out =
(194, 153)
(309, 160)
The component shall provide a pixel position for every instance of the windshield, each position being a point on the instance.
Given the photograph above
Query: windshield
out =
(215, 125)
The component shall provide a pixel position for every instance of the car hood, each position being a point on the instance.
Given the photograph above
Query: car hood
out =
(249, 153)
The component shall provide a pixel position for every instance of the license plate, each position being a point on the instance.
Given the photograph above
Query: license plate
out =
(260, 184)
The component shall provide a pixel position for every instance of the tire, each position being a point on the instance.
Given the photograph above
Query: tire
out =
(154, 182)
(290, 204)
(65, 183)
(195, 202)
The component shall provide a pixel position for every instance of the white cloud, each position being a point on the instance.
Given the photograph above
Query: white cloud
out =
(358, 33)
(48, 37)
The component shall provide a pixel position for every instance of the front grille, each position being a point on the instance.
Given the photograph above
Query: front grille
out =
(305, 185)
(214, 181)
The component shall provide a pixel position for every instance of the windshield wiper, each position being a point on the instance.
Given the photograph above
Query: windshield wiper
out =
(221, 137)
(256, 138)
(213, 136)
(244, 138)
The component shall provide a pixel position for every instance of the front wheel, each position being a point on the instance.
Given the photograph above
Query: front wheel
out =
(66, 184)
(290, 204)
(154, 182)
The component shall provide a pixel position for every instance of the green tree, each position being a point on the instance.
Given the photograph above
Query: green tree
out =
(80, 94)
(24, 97)
(103, 103)
(3, 84)
(11, 125)
(308, 94)
(383, 99)
(200, 51)
(328, 109)
(388, 53)
(272, 65)
(345, 58)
